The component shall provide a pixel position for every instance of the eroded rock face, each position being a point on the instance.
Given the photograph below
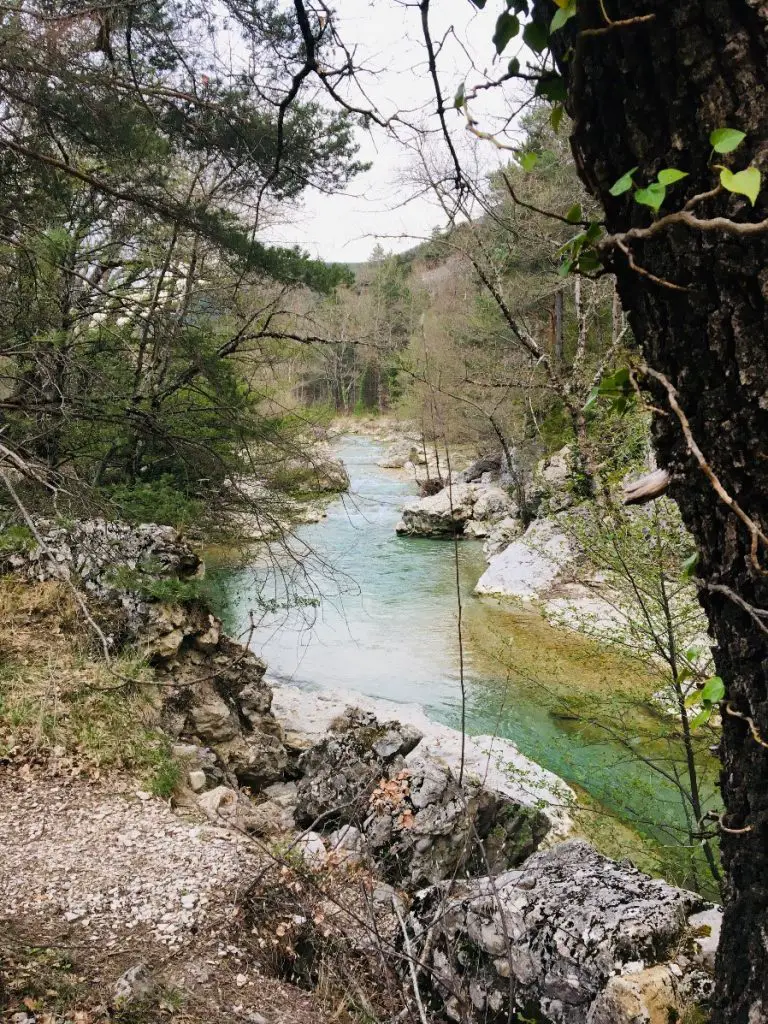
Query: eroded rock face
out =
(582, 940)
(423, 827)
(341, 770)
(456, 510)
(214, 690)
(529, 566)
(418, 825)
(115, 563)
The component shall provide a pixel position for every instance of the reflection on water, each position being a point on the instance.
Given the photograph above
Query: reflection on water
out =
(371, 612)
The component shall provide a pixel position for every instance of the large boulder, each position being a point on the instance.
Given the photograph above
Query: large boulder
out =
(528, 567)
(551, 489)
(444, 514)
(419, 825)
(463, 509)
(340, 772)
(422, 826)
(401, 452)
(571, 936)
(485, 464)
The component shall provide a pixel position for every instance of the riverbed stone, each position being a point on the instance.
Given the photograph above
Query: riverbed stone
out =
(438, 515)
(528, 567)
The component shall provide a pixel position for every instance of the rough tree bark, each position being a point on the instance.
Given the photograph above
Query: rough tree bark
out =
(648, 95)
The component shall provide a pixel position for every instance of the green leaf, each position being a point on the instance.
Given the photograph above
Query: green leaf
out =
(593, 396)
(535, 36)
(744, 183)
(702, 718)
(624, 184)
(552, 87)
(593, 232)
(563, 15)
(507, 27)
(556, 117)
(458, 100)
(565, 268)
(574, 214)
(528, 161)
(514, 67)
(589, 262)
(670, 175)
(725, 140)
(652, 196)
(689, 566)
(713, 690)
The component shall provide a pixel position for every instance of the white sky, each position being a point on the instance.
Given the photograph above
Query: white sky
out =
(387, 33)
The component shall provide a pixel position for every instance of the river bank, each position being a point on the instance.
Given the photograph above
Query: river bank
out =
(347, 825)
(383, 624)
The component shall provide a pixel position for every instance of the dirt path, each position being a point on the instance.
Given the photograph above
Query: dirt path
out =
(100, 876)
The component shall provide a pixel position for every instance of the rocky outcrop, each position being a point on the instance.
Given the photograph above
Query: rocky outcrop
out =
(551, 489)
(528, 567)
(340, 772)
(418, 824)
(139, 582)
(463, 509)
(321, 474)
(118, 565)
(308, 717)
(571, 935)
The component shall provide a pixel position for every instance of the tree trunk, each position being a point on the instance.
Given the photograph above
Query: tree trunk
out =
(648, 95)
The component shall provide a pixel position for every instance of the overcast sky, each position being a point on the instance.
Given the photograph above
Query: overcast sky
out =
(344, 227)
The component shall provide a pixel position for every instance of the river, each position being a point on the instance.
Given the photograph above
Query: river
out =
(356, 607)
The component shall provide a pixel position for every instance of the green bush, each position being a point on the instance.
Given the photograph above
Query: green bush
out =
(16, 539)
(156, 501)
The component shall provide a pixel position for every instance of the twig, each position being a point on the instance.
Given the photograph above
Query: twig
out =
(755, 531)
(733, 831)
(754, 613)
(731, 710)
(641, 270)
(612, 25)
(411, 962)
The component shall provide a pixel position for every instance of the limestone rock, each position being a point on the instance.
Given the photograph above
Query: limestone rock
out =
(551, 489)
(651, 996)
(212, 720)
(418, 825)
(341, 770)
(311, 849)
(423, 827)
(197, 781)
(528, 567)
(346, 846)
(440, 515)
(705, 931)
(256, 758)
(485, 464)
(134, 986)
(493, 503)
(501, 534)
(585, 940)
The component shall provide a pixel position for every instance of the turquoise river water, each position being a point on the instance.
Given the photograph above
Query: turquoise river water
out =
(356, 607)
